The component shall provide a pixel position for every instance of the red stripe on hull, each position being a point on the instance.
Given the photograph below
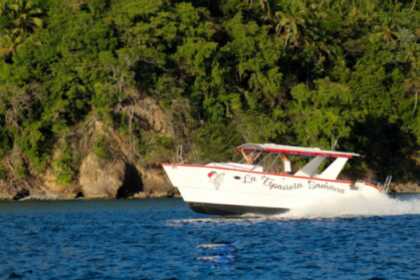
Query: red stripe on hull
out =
(347, 182)
(256, 172)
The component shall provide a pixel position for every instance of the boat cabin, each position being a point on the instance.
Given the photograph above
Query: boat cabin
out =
(269, 157)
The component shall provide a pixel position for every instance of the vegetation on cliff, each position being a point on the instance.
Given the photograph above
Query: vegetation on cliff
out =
(209, 75)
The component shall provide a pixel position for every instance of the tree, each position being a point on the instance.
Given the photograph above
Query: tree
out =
(322, 116)
(326, 73)
(19, 18)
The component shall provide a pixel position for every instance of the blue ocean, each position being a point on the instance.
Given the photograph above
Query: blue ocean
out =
(164, 239)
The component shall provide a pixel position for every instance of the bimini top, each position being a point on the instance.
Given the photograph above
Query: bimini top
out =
(295, 150)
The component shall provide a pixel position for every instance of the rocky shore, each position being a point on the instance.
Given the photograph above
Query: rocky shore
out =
(110, 181)
(409, 187)
(98, 161)
(114, 180)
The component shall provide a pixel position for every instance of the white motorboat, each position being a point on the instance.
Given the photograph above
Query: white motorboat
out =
(264, 182)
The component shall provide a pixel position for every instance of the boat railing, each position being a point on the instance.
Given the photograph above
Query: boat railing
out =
(387, 184)
(180, 154)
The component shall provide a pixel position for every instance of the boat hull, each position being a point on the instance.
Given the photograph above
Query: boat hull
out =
(232, 210)
(219, 190)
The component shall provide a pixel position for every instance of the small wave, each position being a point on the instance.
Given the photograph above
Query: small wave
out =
(211, 220)
(216, 252)
(180, 222)
(216, 259)
(208, 258)
(211, 245)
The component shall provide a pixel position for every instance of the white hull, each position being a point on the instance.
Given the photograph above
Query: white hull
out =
(227, 189)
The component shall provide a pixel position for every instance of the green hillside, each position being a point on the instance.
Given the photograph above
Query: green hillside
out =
(208, 75)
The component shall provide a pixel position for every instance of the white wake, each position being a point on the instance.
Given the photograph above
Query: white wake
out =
(358, 205)
(354, 206)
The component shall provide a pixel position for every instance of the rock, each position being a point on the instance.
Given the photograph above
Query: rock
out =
(21, 194)
(108, 179)
(149, 111)
(53, 189)
(15, 191)
(156, 184)
(408, 187)
(5, 191)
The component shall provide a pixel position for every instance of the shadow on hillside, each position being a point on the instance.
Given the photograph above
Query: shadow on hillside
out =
(387, 150)
(132, 183)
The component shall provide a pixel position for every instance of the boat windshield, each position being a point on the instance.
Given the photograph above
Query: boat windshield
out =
(272, 163)
(317, 166)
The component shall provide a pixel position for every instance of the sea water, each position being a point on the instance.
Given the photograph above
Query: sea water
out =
(163, 239)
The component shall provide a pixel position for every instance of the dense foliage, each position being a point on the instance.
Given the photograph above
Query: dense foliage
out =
(343, 74)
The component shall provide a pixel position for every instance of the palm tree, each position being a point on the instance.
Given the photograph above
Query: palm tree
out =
(266, 6)
(412, 86)
(289, 27)
(20, 17)
(292, 21)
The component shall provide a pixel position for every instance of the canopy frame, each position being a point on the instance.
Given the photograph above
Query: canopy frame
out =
(295, 150)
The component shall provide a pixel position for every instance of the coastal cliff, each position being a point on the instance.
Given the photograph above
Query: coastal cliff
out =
(95, 95)
(96, 160)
